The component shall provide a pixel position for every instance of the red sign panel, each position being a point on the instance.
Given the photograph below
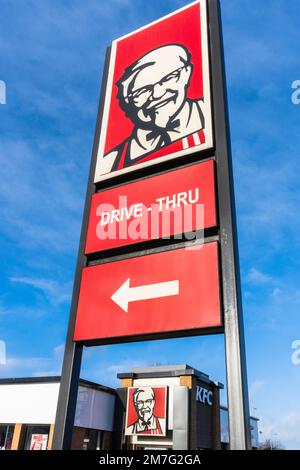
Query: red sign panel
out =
(173, 203)
(157, 99)
(162, 292)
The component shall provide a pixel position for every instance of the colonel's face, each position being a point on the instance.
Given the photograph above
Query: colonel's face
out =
(144, 404)
(157, 87)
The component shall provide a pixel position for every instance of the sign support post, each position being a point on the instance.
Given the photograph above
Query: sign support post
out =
(67, 399)
(237, 389)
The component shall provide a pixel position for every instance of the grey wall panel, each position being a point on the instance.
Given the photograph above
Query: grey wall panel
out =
(180, 418)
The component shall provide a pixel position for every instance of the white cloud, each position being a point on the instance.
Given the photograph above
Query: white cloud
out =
(276, 293)
(257, 277)
(22, 311)
(58, 351)
(284, 429)
(255, 387)
(45, 209)
(53, 290)
(34, 366)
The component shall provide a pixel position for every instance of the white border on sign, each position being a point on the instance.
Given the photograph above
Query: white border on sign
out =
(165, 387)
(99, 176)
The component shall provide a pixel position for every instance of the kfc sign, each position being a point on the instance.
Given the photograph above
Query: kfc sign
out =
(146, 411)
(204, 396)
(157, 99)
(174, 203)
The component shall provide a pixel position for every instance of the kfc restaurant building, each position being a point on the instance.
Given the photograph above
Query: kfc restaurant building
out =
(181, 405)
(186, 408)
(165, 407)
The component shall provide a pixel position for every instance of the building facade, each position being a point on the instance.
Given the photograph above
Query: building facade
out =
(162, 407)
(28, 408)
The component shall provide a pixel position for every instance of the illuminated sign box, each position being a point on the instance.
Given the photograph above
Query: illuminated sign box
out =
(146, 412)
(157, 293)
(157, 102)
(173, 203)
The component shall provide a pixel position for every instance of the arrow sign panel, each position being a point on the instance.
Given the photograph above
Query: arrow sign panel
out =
(157, 293)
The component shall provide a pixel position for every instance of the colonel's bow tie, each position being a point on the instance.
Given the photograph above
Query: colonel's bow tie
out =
(162, 134)
(146, 425)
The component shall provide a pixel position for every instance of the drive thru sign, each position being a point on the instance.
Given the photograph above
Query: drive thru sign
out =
(160, 206)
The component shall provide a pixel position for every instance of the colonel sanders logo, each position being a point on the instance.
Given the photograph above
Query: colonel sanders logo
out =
(146, 411)
(153, 94)
(161, 98)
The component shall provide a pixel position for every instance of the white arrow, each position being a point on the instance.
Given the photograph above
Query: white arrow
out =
(126, 294)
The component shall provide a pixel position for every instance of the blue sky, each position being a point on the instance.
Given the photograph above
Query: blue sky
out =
(51, 58)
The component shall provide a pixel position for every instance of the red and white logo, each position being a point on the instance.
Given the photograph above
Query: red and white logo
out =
(157, 103)
(146, 411)
(39, 442)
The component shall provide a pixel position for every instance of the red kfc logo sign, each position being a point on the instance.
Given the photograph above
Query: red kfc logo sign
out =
(157, 102)
(146, 411)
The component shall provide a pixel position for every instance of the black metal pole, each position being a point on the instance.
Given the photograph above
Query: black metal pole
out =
(68, 391)
(237, 388)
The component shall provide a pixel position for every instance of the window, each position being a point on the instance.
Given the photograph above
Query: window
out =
(6, 435)
(91, 439)
(35, 437)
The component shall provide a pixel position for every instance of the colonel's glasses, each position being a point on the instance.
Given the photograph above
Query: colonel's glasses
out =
(140, 96)
(142, 403)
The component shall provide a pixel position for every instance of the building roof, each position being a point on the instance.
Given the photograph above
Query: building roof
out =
(53, 379)
(167, 371)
